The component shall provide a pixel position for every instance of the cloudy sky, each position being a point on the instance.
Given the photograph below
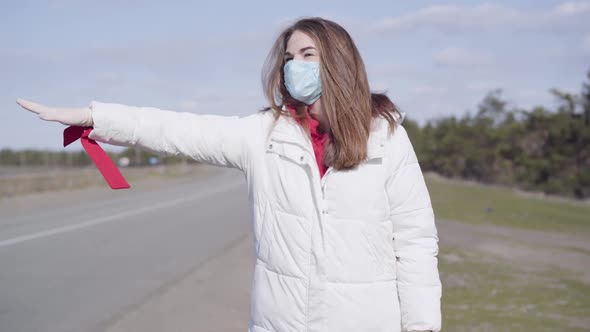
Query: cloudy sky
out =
(434, 58)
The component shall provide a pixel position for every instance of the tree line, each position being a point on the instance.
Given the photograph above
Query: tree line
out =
(537, 149)
(47, 158)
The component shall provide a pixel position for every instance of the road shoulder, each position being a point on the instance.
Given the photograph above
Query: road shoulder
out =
(213, 297)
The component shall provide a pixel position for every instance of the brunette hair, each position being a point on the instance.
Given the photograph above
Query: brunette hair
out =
(347, 101)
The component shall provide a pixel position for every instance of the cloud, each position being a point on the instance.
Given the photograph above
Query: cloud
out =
(458, 18)
(460, 57)
(572, 8)
(449, 17)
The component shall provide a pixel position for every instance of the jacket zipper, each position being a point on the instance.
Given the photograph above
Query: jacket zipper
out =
(320, 210)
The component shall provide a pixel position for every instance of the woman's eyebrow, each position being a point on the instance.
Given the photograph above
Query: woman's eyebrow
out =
(287, 53)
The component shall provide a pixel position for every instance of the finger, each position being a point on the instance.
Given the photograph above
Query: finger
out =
(31, 106)
(49, 115)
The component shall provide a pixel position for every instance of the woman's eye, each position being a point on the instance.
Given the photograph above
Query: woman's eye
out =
(308, 54)
(288, 59)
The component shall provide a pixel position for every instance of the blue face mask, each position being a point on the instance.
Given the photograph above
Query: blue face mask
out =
(302, 80)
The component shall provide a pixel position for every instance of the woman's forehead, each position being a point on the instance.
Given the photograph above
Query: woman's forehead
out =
(299, 40)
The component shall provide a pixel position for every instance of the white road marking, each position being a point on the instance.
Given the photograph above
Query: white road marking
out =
(114, 217)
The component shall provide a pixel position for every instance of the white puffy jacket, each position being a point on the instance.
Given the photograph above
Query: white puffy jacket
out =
(353, 251)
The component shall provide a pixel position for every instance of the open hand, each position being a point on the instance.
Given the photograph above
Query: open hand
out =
(68, 116)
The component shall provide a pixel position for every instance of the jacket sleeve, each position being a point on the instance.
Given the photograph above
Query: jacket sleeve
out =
(213, 139)
(415, 239)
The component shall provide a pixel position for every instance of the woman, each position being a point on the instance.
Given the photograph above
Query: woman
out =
(344, 230)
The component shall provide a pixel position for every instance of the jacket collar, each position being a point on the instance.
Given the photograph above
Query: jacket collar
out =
(288, 130)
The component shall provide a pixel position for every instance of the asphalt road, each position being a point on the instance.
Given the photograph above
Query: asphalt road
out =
(79, 260)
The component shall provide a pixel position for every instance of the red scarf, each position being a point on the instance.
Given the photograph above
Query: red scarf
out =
(105, 165)
(317, 140)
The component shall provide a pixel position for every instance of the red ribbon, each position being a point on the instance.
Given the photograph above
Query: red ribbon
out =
(105, 165)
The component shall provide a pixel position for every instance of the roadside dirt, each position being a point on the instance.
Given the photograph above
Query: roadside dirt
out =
(215, 296)
(566, 252)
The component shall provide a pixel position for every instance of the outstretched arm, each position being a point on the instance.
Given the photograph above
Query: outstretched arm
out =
(415, 240)
(213, 139)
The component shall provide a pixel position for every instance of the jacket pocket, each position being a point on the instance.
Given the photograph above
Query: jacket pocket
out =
(290, 151)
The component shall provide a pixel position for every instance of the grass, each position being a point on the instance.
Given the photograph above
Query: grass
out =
(482, 293)
(473, 203)
(67, 179)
